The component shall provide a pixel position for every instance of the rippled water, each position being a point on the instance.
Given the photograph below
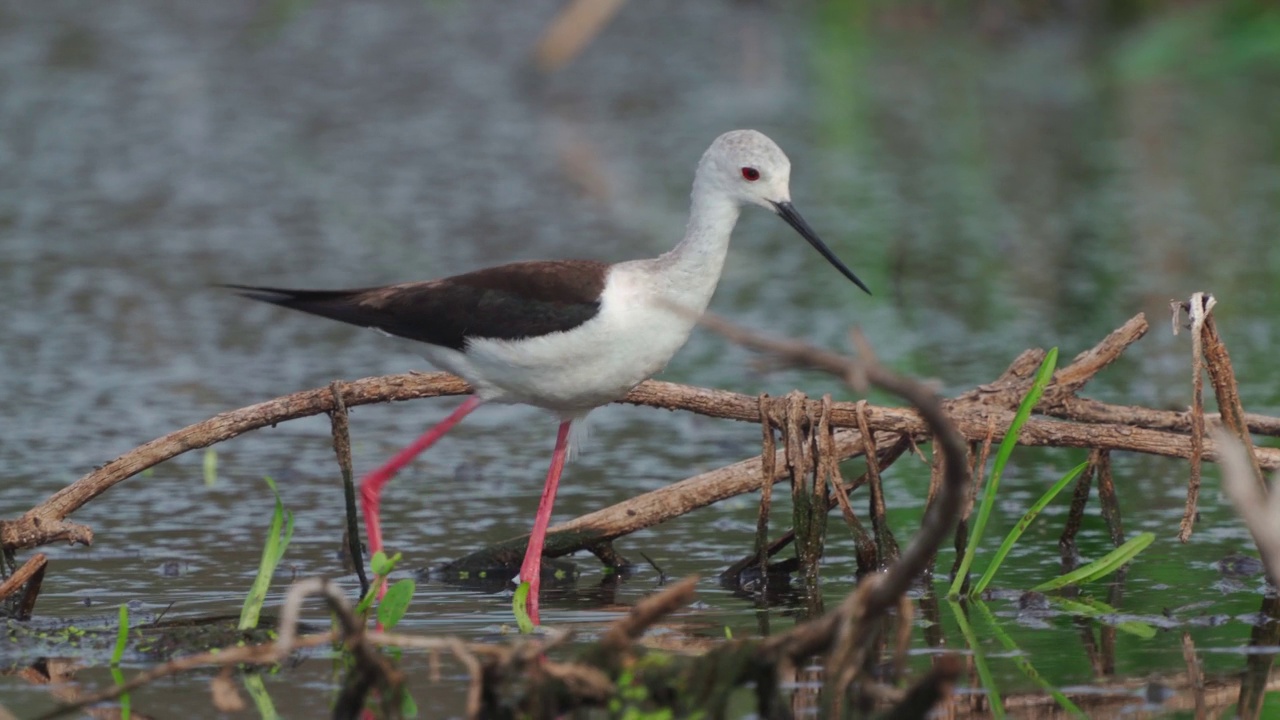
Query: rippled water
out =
(999, 188)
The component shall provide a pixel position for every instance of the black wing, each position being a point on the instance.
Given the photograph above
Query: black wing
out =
(508, 302)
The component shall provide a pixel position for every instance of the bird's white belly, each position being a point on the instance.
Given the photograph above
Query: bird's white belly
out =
(590, 365)
(635, 334)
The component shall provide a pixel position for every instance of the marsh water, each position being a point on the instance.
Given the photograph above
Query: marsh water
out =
(1001, 181)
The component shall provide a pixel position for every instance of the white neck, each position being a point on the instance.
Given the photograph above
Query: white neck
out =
(690, 271)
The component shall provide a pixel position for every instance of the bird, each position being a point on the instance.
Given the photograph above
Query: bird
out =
(566, 336)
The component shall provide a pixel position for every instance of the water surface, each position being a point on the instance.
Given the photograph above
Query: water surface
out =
(1000, 182)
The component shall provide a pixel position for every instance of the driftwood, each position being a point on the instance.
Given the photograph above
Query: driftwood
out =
(980, 415)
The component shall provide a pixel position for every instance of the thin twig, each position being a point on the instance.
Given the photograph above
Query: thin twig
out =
(341, 429)
(32, 571)
(475, 677)
(768, 471)
(1199, 311)
(1195, 674)
(1108, 499)
(864, 543)
(886, 545)
(819, 635)
(645, 613)
(1079, 501)
(1227, 391)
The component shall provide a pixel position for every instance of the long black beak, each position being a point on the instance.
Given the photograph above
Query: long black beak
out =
(789, 213)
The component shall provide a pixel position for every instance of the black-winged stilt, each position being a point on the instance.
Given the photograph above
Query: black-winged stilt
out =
(566, 335)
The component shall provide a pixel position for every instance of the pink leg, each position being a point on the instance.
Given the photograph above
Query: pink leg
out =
(371, 485)
(531, 568)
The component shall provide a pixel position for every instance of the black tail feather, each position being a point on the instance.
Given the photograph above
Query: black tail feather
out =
(285, 297)
(341, 305)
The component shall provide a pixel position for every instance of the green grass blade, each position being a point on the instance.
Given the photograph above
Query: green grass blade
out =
(210, 467)
(288, 536)
(117, 653)
(979, 662)
(1090, 608)
(122, 636)
(366, 602)
(1041, 381)
(520, 609)
(1024, 664)
(257, 690)
(1021, 527)
(1101, 567)
(126, 702)
(395, 603)
(272, 552)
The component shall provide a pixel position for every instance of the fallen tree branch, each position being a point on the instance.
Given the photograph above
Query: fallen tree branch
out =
(1090, 425)
(27, 579)
(845, 636)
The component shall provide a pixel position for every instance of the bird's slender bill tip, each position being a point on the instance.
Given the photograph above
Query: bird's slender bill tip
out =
(788, 212)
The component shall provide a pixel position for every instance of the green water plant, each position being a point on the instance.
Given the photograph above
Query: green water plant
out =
(520, 608)
(381, 565)
(1021, 526)
(395, 603)
(278, 536)
(1101, 567)
(122, 637)
(979, 661)
(390, 611)
(209, 467)
(1041, 381)
(117, 654)
(1112, 562)
(257, 689)
(1096, 609)
(1023, 664)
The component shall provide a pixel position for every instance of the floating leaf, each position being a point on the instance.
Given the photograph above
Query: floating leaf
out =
(395, 603)
(380, 564)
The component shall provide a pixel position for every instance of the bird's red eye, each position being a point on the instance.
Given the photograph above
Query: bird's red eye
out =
(750, 174)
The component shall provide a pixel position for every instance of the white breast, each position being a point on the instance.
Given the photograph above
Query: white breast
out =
(637, 331)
